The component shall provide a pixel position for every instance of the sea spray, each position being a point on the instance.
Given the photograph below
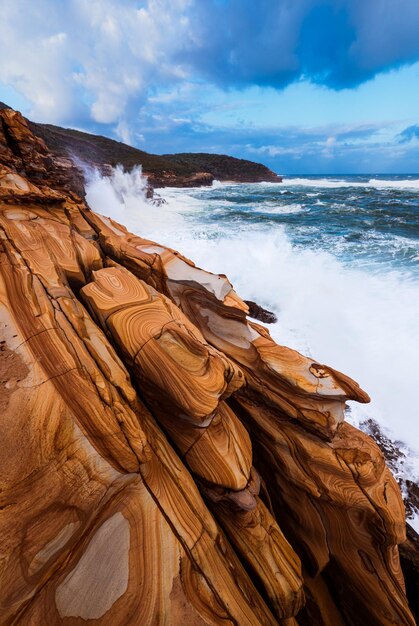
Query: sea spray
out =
(117, 195)
(123, 197)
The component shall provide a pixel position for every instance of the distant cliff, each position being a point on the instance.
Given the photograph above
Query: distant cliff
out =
(173, 170)
(225, 168)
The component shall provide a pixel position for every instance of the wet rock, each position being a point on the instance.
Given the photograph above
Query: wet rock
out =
(409, 558)
(396, 455)
(259, 313)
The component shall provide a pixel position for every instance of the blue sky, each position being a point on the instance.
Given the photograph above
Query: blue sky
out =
(305, 86)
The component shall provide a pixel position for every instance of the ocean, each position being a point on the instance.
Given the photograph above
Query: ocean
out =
(336, 258)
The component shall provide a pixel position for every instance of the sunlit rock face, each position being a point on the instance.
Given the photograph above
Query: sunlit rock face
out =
(163, 461)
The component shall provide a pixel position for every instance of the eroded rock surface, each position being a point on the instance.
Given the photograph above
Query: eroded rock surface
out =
(163, 461)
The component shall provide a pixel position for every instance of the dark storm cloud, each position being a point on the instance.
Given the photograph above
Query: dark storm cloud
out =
(337, 43)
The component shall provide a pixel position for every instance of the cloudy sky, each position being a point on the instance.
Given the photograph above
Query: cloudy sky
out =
(305, 86)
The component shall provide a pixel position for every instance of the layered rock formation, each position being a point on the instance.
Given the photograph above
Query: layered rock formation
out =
(163, 460)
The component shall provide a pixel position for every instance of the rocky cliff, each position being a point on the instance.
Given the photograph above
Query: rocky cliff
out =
(163, 460)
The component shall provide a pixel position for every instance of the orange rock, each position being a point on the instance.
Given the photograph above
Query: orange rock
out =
(136, 400)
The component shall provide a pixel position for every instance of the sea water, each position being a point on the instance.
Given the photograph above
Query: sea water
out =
(335, 258)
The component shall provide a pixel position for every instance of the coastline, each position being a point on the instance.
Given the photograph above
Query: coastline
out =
(195, 207)
(180, 439)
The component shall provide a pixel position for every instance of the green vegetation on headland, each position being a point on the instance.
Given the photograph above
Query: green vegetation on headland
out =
(177, 170)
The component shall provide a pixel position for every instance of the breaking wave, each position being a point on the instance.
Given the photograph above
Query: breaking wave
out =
(332, 183)
(362, 322)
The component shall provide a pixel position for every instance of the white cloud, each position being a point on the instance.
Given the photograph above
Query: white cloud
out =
(274, 151)
(91, 55)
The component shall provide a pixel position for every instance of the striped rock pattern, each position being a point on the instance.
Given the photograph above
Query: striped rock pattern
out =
(163, 461)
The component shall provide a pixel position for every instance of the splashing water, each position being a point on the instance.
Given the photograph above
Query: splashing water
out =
(117, 195)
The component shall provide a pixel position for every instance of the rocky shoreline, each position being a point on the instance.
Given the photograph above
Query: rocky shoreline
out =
(163, 458)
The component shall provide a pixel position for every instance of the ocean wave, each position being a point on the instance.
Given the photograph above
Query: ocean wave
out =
(284, 209)
(361, 323)
(394, 184)
(375, 183)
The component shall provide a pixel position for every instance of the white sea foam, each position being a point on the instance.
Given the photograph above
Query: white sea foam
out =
(117, 195)
(363, 324)
(284, 209)
(394, 184)
(328, 183)
(122, 196)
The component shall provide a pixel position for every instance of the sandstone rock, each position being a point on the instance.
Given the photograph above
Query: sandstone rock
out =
(305, 390)
(29, 155)
(163, 461)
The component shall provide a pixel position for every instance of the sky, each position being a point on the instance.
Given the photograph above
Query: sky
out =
(304, 86)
